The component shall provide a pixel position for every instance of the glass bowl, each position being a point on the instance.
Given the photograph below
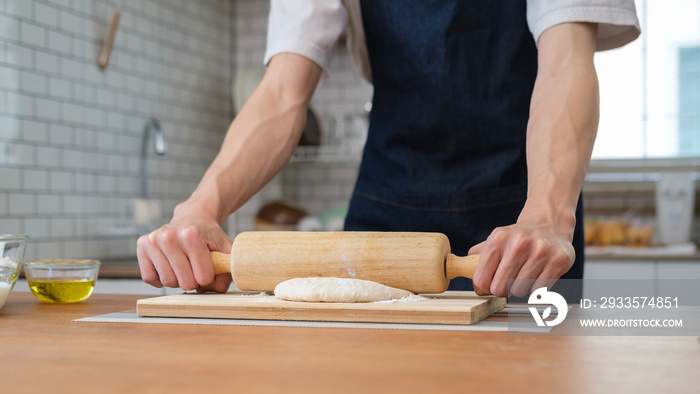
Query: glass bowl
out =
(13, 247)
(61, 280)
(8, 273)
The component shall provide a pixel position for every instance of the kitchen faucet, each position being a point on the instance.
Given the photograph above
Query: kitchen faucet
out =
(161, 147)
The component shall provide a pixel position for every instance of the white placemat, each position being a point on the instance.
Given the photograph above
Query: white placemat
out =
(132, 317)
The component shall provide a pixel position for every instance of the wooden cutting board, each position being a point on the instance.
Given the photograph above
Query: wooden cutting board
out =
(450, 307)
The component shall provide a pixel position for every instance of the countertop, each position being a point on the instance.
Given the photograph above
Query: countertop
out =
(45, 351)
(681, 252)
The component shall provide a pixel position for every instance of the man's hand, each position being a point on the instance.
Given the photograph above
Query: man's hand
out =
(534, 252)
(177, 255)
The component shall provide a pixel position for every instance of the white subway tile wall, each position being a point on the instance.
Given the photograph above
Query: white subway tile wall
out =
(70, 133)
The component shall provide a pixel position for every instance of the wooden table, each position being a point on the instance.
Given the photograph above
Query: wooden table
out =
(43, 351)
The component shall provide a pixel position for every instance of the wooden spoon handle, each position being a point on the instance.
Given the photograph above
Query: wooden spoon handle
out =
(103, 58)
(461, 266)
(221, 262)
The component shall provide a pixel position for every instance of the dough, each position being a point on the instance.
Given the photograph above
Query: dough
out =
(336, 290)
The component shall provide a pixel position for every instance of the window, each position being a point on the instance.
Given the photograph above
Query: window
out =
(650, 89)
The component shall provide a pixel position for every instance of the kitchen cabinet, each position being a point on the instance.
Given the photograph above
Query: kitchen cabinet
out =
(595, 269)
(678, 269)
(657, 270)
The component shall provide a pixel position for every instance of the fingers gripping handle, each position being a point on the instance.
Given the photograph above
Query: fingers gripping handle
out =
(221, 262)
(461, 266)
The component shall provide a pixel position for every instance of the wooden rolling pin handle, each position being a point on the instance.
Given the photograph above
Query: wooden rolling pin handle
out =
(461, 266)
(221, 262)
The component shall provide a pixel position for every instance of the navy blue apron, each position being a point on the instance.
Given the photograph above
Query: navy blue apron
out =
(445, 150)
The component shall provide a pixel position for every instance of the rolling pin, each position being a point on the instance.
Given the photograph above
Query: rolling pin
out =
(418, 262)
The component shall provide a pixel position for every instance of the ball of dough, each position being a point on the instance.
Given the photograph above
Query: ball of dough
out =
(336, 290)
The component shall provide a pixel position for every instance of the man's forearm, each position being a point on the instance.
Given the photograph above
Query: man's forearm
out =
(563, 124)
(254, 150)
(259, 141)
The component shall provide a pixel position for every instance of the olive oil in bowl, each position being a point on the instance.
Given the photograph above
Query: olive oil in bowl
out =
(62, 290)
(61, 281)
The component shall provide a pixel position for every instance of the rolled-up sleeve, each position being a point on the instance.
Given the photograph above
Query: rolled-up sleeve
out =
(309, 28)
(617, 20)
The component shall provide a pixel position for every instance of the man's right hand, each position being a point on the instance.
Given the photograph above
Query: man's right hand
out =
(177, 255)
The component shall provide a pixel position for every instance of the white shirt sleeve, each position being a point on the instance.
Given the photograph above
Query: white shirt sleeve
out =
(309, 28)
(617, 19)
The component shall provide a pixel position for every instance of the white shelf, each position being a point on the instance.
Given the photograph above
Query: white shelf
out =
(327, 154)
